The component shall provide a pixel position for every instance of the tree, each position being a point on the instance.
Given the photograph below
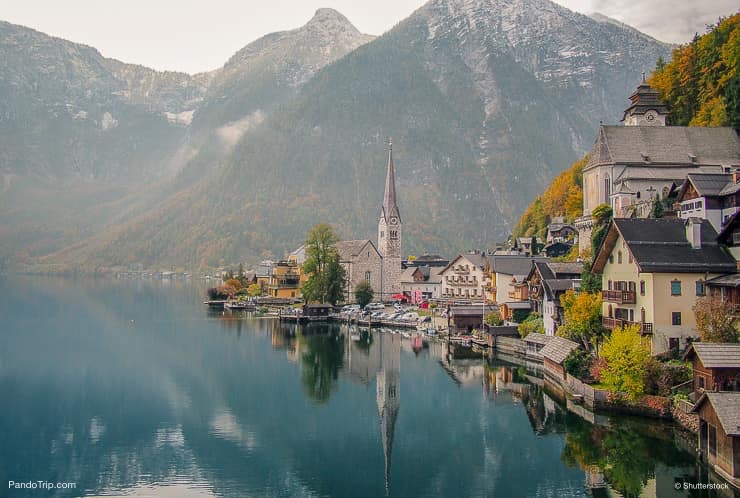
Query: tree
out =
(715, 320)
(602, 215)
(582, 313)
(254, 289)
(578, 363)
(627, 355)
(533, 323)
(493, 319)
(326, 281)
(234, 282)
(657, 209)
(364, 293)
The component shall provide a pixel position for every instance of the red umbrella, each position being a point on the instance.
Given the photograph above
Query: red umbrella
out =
(398, 296)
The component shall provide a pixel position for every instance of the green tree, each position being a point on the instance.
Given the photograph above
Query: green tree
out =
(582, 322)
(627, 355)
(533, 323)
(602, 215)
(326, 281)
(715, 320)
(578, 362)
(364, 293)
(657, 209)
(493, 319)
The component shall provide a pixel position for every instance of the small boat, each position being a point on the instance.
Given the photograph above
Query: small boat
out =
(431, 331)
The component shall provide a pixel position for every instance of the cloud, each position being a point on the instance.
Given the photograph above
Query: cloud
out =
(673, 21)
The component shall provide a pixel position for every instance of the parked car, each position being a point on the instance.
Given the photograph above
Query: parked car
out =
(375, 306)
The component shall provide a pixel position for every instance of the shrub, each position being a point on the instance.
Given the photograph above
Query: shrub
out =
(578, 363)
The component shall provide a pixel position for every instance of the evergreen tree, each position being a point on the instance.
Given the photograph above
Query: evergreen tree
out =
(364, 293)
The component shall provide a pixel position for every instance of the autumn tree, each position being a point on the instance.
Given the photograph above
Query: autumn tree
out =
(715, 320)
(254, 289)
(627, 355)
(327, 279)
(533, 323)
(582, 322)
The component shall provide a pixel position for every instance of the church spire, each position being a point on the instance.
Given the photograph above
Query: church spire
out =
(390, 207)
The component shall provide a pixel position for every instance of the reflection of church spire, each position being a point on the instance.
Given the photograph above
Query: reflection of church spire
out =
(388, 395)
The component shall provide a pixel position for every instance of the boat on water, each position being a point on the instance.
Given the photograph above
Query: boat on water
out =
(239, 306)
(216, 303)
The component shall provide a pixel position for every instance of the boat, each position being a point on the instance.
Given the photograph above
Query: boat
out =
(239, 306)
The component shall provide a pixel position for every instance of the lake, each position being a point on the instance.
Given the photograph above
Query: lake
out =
(133, 388)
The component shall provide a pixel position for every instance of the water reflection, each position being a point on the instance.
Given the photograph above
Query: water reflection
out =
(136, 389)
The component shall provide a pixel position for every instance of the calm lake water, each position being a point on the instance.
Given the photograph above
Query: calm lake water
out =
(134, 388)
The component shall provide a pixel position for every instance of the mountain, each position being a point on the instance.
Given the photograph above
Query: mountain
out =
(486, 101)
(88, 142)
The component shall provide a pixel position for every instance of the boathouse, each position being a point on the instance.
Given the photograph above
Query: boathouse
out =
(554, 354)
(719, 433)
(716, 366)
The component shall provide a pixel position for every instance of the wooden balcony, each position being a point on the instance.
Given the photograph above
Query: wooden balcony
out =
(619, 296)
(613, 323)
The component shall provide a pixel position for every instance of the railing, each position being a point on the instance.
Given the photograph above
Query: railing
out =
(613, 323)
(619, 296)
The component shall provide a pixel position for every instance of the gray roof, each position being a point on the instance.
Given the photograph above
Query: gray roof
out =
(716, 354)
(727, 407)
(660, 246)
(347, 249)
(668, 145)
(513, 265)
(732, 280)
(557, 349)
(709, 184)
(538, 338)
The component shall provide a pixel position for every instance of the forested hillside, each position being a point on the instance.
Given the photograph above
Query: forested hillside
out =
(701, 84)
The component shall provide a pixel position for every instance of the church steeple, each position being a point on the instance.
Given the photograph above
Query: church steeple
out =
(646, 108)
(390, 207)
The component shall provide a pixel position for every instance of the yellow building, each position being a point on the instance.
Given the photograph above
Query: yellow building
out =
(285, 280)
(653, 271)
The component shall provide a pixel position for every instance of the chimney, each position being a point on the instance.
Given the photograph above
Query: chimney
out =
(693, 232)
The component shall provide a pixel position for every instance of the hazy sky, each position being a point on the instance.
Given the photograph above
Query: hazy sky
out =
(194, 36)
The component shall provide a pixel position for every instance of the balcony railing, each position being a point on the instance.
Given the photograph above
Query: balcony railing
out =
(619, 296)
(613, 323)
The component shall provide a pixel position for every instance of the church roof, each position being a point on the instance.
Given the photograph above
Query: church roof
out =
(348, 249)
(643, 99)
(657, 146)
(390, 206)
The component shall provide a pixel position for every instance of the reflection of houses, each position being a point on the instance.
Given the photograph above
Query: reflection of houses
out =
(653, 270)
(548, 281)
(465, 277)
(422, 279)
(719, 433)
(630, 165)
(716, 366)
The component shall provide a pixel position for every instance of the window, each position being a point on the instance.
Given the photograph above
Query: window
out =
(607, 189)
(629, 257)
(394, 234)
(700, 290)
(676, 288)
(619, 257)
(642, 287)
(367, 276)
(712, 436)
(700, 381)
(382, 234)
(609, 284)
(611, 258)
(676, 318)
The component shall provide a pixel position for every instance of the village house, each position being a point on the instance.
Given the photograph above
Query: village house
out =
(631, 165)
(285, 280)
(548, 281)
(465, 318)
(421, 283)
(535, 343)
(727, 289)
(554, 354)
(719, 433)
(716, 366)
(560, 231)
(653, 270)
(509, 288)
(713, 197)
(465, 278)
(433, 260)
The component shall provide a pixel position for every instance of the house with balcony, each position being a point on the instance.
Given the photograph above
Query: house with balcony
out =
(653, 270)
(713, 197)
(509, 287)
(285, 280)
(466, 277)
(548, 281)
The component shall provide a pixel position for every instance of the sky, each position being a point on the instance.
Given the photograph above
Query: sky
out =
(194, 36)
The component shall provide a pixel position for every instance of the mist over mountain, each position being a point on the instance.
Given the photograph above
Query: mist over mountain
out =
(486, 101)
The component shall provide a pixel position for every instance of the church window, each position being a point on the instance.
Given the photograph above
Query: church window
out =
(607, 188)
(367, 276)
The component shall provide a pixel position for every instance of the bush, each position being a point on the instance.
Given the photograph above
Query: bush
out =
(493, 319)
(661, 377)
(577, 363)
(597, 366)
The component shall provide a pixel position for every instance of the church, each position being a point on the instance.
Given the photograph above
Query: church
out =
(378, 264)
(646, 158)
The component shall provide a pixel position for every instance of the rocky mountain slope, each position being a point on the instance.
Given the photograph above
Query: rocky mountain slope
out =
(486, 101)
